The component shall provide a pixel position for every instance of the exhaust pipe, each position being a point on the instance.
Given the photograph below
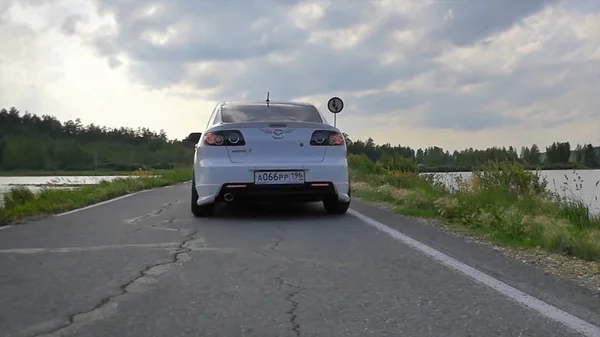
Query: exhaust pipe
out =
(228, 197)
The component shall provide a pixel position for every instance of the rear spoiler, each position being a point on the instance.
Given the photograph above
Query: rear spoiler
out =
(275, 125)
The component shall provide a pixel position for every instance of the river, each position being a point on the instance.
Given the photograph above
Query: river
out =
(583, 184)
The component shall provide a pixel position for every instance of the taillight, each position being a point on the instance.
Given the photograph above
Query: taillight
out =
(224, 138)
(327, 138)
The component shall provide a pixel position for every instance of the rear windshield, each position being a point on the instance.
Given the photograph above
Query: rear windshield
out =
(258, 113)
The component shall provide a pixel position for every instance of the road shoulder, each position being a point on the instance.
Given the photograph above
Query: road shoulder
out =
(563, 294)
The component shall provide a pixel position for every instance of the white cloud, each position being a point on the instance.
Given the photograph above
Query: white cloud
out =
(304, 15)
(420, 73)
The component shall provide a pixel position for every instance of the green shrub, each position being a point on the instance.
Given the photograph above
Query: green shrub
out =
(22, 203)
(17, 196)
(502, 202)
(397, 163)
(364, 165)
(511, 178)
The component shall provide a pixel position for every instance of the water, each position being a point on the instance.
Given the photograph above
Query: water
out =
(37, 183)
(581, 185)
(560, 181)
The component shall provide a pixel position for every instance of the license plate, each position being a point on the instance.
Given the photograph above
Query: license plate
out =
(278, 177)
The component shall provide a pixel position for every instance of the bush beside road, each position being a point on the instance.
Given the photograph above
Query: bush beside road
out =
(21, 204)
(503, 203)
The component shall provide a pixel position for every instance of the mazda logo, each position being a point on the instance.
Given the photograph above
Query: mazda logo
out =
(277, 133)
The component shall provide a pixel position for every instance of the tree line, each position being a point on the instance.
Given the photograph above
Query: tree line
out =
(558, 155)
(32, 142)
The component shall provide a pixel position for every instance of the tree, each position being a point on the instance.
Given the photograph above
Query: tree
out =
(347, 138)
(579, 154)
(559, 153)
(534, 155)
(589, 156)
(28, 141)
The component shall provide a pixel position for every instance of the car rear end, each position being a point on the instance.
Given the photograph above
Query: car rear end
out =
(277, 152)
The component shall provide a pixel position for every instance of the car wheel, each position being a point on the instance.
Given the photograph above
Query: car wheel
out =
(333, 206)
(200, 210)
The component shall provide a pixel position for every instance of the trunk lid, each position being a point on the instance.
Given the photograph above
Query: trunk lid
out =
(276, 142)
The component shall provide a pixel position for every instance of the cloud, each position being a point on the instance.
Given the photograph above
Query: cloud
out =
(466, 22)
(69, 25)
(444, 68)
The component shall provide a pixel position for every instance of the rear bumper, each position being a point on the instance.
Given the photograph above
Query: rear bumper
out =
(298, 192)
(326, 180)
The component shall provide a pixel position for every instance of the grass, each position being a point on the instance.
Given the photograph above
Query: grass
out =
(502, 203)
(20, 203)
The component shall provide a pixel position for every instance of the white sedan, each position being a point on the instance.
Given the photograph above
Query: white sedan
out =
(272, 151)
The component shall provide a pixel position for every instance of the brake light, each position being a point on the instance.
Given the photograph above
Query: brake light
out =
(224, 138)
(327, 138)
(336, 139)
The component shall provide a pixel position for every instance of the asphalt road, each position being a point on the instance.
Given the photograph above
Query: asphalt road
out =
(144, 266)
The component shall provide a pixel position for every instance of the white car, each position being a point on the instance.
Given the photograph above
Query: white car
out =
(272, 151)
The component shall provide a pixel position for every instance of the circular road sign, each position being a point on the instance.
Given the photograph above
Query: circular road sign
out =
(335, 105)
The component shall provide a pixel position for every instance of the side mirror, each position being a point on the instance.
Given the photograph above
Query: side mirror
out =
(194, 137)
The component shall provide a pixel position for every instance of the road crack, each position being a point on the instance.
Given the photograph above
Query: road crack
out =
(278, 240)
(106, 305)
(156, 213)
(275, 244)
(268, 248)
(293, 291)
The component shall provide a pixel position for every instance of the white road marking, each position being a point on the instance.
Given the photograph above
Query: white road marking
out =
(5, 227)
(165, 229)
(103, 203)
(112, 200)
(163, 245)
(543, 308)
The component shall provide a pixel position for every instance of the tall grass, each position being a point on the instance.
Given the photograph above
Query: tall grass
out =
(502, 202)
(21, 203)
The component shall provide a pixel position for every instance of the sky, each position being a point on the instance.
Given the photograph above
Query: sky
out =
(454, 74)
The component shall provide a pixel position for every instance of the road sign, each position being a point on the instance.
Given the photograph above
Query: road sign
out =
(335, 105)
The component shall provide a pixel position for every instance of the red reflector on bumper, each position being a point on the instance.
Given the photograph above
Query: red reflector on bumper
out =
(320, 185)
(236, 186)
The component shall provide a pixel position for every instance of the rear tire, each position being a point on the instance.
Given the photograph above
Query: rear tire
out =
(200, 210)
(336, 207)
